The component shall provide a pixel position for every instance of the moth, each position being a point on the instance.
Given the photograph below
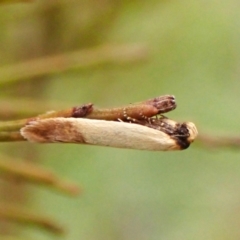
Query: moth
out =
(163, 135)
(135, 126)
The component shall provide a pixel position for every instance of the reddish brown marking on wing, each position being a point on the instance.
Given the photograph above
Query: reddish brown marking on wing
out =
(51, 131)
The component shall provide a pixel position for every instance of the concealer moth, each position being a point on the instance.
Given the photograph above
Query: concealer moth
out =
(170, 135)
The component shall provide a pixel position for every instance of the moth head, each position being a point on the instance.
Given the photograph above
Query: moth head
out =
(193, 132)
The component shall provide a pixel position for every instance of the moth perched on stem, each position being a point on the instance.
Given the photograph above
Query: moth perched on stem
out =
(134, 126)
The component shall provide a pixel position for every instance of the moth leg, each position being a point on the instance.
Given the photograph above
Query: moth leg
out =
(126, 117)
(163, 117)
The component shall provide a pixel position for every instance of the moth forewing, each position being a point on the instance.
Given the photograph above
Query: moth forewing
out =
(124, 135)
(99, 132)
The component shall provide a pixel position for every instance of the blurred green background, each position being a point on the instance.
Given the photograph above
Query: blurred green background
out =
(193, 52)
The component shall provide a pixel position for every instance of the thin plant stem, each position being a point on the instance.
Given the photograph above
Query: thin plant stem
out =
(75, 60)
(139, 110)
(36, 174)
(26, 217)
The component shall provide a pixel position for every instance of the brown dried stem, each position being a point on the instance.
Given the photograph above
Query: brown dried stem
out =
(35, 174)
(76, 60)
(9, 130)
(24, 216)
(219, 141)
(14, 1)
(16, 108)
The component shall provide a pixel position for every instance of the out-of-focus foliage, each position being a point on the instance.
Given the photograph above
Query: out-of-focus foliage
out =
(194, 54)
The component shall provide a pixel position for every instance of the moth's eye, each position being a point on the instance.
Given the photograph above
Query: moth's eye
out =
(183, 130)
